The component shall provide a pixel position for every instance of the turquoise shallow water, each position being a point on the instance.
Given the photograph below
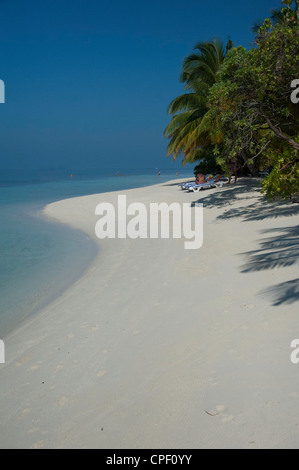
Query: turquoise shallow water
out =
(40, 259)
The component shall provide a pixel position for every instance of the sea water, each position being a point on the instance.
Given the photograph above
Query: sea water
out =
(39, 259)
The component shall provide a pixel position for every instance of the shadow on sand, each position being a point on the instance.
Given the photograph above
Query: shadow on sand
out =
(285, 292)
(259, 209)
(280, 249)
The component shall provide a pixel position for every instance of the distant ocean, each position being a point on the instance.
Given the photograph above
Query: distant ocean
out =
(36, 254)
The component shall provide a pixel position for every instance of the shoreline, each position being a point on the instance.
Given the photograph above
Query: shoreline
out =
(155, 346)
(45, 213)
(28, 292)
(42, 283)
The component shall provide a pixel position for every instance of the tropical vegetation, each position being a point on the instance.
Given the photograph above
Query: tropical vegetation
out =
(238, 105)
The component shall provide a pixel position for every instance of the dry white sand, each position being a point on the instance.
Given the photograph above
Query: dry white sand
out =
(161, 347)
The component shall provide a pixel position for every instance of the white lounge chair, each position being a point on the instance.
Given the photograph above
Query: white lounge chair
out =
(212, 183)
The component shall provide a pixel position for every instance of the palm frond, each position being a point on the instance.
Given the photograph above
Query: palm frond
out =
(191, 126)
(178, 121)
(187, 101)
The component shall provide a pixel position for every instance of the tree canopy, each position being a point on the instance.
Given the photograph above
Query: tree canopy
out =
(249, 115)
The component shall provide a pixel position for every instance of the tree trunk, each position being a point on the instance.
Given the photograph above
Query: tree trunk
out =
(250, 166)
(280, 134)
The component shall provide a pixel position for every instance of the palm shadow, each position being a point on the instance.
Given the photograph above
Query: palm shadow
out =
(285, 292)
(228, 194)
(260, 208)
(277, 251)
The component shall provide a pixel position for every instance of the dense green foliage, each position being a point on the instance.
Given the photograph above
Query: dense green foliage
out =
(248, 114)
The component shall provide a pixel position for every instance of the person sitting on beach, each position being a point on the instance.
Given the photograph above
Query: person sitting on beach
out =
(200, 178)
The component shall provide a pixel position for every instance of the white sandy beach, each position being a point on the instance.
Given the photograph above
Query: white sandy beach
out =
(161, 347)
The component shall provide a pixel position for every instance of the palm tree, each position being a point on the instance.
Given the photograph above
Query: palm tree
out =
(189, 129)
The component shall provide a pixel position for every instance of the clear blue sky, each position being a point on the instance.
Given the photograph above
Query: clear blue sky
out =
(88, 82)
